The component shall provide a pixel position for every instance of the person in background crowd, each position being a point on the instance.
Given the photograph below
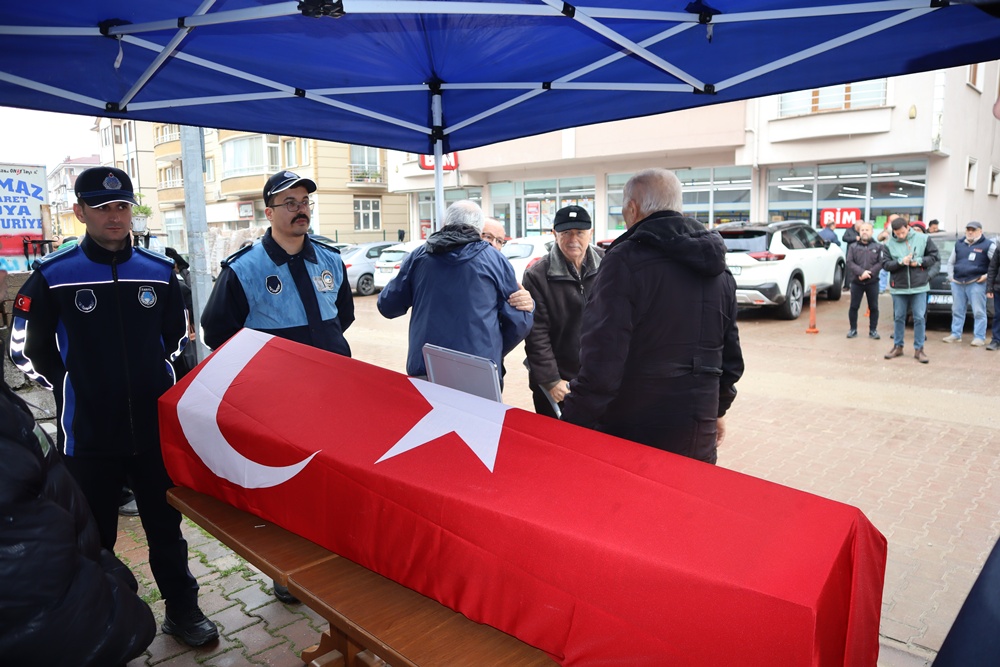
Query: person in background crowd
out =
(457, 285)
(100, 324)
(188, 358)
(660, 351)
(968, 270)
(993, 292)
(828, 233)
(918, 226)
(933, 226)
(64, 601)
(288, 285)
(910, 258)
(560, 282)
(864, 261)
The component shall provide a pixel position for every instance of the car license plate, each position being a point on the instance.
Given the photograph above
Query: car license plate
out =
(735, 270)
(386, 269)
(940, 298)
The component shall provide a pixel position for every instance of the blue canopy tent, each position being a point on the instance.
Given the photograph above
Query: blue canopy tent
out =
(418, 75)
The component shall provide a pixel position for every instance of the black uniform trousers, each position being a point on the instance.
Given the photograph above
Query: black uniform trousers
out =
(101, 479)
(869, 290)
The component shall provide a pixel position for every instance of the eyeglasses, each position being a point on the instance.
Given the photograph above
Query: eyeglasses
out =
(493, 240)
(293, 206)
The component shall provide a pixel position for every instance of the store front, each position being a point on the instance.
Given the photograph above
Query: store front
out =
(847, 192)
(527, 208)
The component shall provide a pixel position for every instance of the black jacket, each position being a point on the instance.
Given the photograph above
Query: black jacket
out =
(660, 353)
(993, 275)
(863, 257)
(63, 599)
(101, 329)
(553, 344)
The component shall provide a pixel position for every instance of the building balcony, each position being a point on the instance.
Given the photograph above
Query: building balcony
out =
(167, 150)
(366, 177)
(170, 191)
(241, 185)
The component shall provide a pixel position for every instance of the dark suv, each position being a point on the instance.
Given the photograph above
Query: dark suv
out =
(776, 263)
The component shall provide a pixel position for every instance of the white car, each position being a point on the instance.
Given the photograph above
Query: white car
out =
(526, 250)
(388, 263)
(775, 264)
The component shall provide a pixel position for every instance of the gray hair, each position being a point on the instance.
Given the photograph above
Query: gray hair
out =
(654, 190)
(465, 212)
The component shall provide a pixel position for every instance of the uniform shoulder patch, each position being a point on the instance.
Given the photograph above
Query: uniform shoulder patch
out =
(22, 303)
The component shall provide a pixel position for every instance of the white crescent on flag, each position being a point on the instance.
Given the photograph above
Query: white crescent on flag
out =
(198, 409)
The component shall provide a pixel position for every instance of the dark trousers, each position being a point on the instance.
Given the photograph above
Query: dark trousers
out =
(996, 315)
(870, 290)
(101, 480)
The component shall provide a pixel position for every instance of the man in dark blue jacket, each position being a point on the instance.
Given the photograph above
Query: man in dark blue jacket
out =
(100, 323)
(660, 351)
(968, 267)
(458, 287)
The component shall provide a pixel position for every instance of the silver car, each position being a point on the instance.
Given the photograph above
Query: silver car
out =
(360, 262)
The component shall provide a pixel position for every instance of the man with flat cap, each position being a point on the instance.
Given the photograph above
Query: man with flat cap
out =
(286, 284)
(100, 324)
(560, 284)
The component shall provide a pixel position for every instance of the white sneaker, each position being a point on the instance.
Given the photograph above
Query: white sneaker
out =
(952, 338)
(978, 342)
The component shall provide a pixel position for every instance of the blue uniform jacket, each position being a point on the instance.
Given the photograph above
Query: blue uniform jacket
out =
(305, 297)
(99, 328)
(459, 298)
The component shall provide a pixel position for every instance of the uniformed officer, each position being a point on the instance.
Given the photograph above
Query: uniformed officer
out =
(286, 284)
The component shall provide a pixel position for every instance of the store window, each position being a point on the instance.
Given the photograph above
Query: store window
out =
(712, 195)
(544, 197)
(367, 214)
(864, 94)
(847, 192)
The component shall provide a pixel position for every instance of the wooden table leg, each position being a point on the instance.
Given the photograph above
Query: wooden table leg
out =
(324, 654)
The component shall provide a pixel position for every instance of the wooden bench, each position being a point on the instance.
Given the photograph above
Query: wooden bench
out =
(368, 614)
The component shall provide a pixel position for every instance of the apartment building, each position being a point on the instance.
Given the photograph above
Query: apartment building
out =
(924, 145)
(128, 145)
(61, 182)
(352, 202)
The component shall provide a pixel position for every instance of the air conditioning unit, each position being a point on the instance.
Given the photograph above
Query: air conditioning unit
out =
(217, 194)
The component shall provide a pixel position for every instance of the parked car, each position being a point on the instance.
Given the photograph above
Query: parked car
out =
(775, 263)
(525, 251)
(360, 262)
(388, 263)
(325, 240)
(939, 298)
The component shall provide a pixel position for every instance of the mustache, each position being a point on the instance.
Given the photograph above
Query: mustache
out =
(300, 216)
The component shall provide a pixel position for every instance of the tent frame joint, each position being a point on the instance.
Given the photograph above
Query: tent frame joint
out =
(940, 3)
(437, 132)
(112, 107)
(568, 10)
(709, 89)
(300, 92)
(318, 8)
(106, 25)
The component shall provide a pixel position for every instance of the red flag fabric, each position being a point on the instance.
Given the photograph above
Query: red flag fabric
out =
(596, 550)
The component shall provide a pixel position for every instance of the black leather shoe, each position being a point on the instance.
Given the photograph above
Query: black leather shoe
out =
(993, 346)
(874, 335)
(853, 333)
(191, 627)
(283, 594)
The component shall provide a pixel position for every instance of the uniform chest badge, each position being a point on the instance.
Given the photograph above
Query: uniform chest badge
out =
(273, 284)
(147, 296)
(324, 281)
(85, 300)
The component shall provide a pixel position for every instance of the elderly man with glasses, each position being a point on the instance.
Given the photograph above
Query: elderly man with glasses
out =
(287, 284)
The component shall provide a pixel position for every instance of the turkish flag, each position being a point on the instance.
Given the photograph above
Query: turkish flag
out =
(597, 550)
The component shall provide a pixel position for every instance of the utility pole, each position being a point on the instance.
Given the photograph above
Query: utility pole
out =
(193, 161)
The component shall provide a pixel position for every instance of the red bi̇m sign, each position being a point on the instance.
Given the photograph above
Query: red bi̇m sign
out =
(449, 162)
(843, 217)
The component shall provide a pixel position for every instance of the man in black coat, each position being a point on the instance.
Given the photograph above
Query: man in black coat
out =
(660, 353)
(63, 599)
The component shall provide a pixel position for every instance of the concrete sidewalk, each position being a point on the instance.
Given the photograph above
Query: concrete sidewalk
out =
(915, 446)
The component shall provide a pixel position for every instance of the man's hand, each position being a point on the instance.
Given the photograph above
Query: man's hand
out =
(865, 275)
(982, 279)
(720, 427)
(521, 300)
(560, 391)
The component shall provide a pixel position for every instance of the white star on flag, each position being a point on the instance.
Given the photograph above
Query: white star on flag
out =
(477, 421)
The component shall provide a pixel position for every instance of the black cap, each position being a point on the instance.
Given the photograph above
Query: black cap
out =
(571, 217)
(102, 185)
(282, 181)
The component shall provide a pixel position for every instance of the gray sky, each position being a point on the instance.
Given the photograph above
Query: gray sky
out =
(40, 137)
